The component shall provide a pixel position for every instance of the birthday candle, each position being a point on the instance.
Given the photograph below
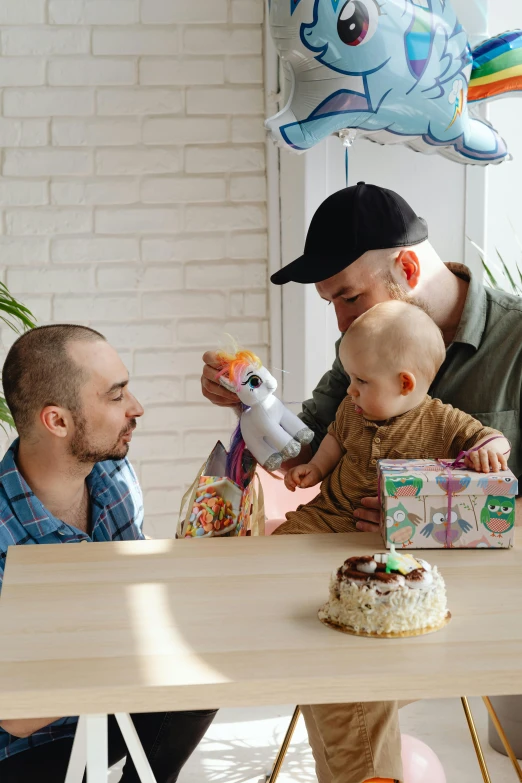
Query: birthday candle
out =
(393, 563)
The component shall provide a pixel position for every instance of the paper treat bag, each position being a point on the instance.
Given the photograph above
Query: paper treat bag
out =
(216, 506)
(418, 496)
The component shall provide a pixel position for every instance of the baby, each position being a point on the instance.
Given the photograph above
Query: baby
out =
(392, 353)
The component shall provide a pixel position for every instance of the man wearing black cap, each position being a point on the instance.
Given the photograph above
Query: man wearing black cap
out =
(366, 245)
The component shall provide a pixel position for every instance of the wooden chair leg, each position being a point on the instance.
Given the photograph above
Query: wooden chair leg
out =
(503, 738)
(272, 777)
(476, 740)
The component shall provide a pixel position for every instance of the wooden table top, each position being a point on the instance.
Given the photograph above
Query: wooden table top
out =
(157, 625)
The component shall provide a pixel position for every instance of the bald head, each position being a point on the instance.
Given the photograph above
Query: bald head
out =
(40, 370)
(399, 336)
(383, 261)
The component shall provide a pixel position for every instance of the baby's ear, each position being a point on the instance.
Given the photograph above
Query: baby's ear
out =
(408, 383)
(227, 383)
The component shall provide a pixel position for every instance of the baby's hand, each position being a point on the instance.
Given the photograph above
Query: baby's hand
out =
(303, 476)
(485, 460)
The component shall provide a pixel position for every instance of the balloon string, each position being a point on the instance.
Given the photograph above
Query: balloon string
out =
(346, 164)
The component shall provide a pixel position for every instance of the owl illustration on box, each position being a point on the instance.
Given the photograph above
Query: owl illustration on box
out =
(498, 515)
(400, 525)
(438, 524)
(457, 483)
(498, 482)
(403, 486)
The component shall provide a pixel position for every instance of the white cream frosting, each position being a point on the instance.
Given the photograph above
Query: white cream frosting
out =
(367, 568)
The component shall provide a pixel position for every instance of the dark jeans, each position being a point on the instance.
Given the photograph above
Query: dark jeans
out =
(168, 739)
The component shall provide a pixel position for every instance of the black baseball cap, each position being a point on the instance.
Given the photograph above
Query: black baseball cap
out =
(346, 225)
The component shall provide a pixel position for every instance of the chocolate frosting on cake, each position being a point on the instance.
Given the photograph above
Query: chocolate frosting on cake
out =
(373, 570)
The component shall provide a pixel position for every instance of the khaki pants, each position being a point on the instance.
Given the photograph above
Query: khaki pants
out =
(353, 743)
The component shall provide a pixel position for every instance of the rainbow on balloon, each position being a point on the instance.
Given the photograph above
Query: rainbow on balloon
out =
(457, 96)
(497, 67)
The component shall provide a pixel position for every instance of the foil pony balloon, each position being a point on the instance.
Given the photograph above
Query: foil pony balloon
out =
(393, 71)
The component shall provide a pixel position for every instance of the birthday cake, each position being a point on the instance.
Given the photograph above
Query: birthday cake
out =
(388, 595)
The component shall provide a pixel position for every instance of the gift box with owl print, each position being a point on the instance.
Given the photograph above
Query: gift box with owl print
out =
(425, 504)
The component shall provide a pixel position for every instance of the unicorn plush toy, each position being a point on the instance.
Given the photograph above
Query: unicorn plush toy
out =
(266, 427)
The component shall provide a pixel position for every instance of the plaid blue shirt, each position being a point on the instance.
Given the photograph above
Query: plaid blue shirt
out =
(116, 515)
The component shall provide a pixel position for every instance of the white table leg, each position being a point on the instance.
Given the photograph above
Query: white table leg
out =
(78, 758)
(97, 749)
(135, 748)
(90, 748)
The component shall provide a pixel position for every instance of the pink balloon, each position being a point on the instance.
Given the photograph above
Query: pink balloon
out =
(420, 763)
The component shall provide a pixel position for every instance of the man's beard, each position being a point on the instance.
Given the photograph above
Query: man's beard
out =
(85, 451)
(397, 292)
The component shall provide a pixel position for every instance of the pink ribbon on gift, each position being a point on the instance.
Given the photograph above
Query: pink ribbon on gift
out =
(458, 463)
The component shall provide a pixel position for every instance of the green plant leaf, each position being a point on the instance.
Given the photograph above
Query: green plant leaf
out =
(490, 275)
(5, 415)
(499, 283)
(520, 275)
(507, 273)
(17, 315)
(18, 311)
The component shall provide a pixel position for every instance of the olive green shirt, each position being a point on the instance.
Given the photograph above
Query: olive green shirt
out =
(482, 373)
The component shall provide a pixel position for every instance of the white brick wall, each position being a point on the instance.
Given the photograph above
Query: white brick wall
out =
(132, 198)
